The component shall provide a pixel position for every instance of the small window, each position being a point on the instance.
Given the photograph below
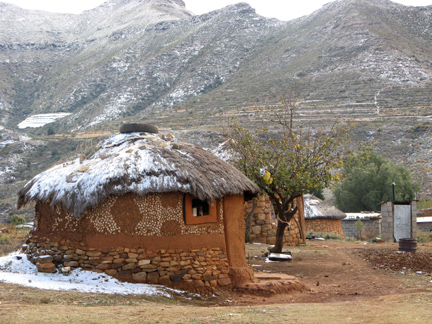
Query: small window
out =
(200, 208)
(199, 211)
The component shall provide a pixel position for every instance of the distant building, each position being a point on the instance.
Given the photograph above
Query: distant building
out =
(322, 217)
(424, 220)
(371, 221)
(424, 224)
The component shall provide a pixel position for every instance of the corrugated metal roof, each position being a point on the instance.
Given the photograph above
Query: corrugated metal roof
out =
(424, 219)
(362, 216)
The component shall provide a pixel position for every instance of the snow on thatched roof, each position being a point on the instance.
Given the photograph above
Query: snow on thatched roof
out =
(136, 163)
(316, 208)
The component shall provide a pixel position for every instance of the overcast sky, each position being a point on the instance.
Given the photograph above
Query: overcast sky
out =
(281, 9)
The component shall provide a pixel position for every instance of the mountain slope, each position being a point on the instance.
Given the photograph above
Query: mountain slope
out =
(152, 57)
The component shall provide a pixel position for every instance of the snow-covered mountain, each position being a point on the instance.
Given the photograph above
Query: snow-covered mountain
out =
(153, 58)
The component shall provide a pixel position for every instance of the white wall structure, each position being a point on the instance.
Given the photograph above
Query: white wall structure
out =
(399, 220)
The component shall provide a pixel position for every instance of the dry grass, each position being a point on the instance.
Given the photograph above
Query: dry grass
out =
(11, 238)
(415, 307)
(83, 135)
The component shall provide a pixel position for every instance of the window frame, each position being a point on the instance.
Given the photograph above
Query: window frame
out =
(212, 217)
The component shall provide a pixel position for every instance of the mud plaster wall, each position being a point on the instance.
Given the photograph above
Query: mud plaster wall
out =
(133, 221)
(235, 239)
(323, 225)
(263, 227)
(137, 239)
(240, 273)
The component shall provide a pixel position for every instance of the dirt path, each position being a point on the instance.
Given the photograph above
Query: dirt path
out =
(337, 271)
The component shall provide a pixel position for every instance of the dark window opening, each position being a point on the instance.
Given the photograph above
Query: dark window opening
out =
(198, 211)
(200, 208)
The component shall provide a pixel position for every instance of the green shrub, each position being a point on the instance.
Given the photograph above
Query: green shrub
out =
(332, 236)
(50, 131)
(17, 220)
(3, 239)
(423, 204)
(309, 235)
(424, 237)
(359, 228)
(327, 236)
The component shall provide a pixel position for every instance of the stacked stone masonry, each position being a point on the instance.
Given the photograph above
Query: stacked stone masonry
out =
(387, 221)
(424, 227)
(414, 218)
(263, 226)
(324, 225)
(194, 268)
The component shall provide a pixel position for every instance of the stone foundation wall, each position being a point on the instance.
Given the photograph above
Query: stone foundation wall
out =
(263, 226)
(194, 269)
(323, 225)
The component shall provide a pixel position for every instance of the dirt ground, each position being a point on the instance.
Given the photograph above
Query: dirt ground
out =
(335, 271)
(346, 282)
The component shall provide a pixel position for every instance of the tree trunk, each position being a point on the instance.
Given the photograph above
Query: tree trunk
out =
(279, 236)
(299, 226)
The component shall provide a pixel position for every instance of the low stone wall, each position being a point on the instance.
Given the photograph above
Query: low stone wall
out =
(424, 227)
(262, 229)
(324, 225)
(194, 269)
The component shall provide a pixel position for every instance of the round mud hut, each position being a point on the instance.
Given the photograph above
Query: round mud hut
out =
(143, 208)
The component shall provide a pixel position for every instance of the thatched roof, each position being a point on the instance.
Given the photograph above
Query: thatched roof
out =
(317, 208)
(136, 163)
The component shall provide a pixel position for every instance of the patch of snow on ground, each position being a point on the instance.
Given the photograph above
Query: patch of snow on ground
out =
(112, 109)
(6, 170)
(16, 269)
(40, 120)
(24, 138)
(6, 142)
